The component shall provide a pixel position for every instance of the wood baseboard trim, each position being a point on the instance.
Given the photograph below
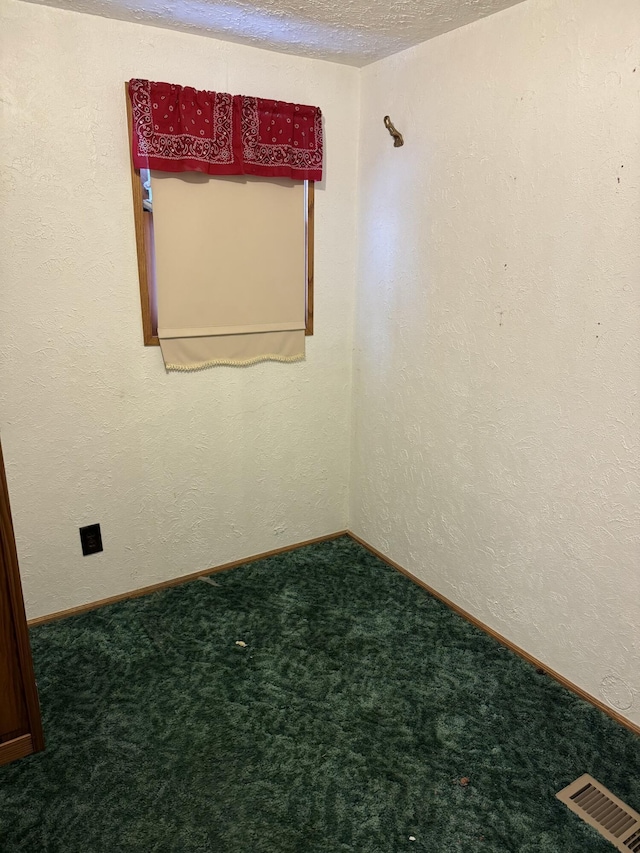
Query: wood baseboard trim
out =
(16, 748)
(569, 685)
(156, 587)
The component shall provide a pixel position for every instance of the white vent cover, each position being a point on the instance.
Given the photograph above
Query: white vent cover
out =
(605, 812)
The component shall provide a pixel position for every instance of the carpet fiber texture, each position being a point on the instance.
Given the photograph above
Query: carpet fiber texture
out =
(360, 714)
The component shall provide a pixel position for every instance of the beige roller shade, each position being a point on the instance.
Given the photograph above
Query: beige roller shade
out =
(230, 269)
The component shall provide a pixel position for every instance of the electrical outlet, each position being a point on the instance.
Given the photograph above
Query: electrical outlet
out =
(91, 539)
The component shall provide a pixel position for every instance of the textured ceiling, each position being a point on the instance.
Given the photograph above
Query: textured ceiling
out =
(353, 32)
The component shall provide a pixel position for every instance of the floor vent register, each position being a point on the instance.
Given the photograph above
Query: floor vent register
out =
(605, 812)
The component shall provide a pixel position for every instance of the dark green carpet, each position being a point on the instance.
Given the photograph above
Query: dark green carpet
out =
(346, 724)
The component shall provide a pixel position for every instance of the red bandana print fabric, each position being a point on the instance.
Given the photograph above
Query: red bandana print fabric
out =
(280, 139)
(179, 129)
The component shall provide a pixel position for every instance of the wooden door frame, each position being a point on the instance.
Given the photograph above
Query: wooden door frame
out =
(31, 740)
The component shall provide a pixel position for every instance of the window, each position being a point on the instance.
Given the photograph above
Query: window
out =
(244, 189)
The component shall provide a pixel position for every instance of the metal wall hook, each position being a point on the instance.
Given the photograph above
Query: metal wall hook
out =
(397, 136)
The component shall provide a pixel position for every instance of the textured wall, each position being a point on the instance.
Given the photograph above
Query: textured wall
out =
(183, 471)
(496, 435)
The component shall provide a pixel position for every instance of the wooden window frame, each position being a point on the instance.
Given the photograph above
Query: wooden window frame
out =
(144, 248)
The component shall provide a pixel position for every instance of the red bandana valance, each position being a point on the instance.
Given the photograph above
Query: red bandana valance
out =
(180, 129)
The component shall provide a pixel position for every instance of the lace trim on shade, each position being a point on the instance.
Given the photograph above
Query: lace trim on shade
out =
(229, 362)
